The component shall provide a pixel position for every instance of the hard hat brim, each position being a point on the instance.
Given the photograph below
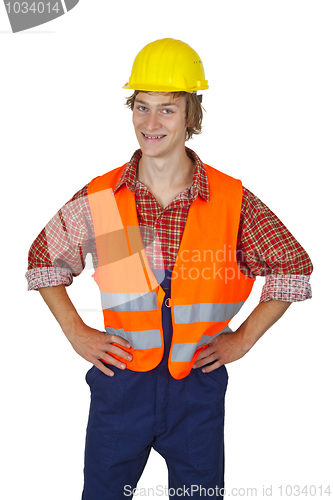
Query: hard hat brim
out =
(162, 88)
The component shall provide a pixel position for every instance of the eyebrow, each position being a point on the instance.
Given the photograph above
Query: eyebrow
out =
(159, 105)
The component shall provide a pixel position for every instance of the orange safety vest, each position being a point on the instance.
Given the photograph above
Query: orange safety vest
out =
(207, 287)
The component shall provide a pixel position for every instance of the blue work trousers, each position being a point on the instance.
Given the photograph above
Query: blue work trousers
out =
(132, 412)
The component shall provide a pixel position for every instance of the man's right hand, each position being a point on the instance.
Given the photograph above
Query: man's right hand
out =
(94, 345)
(91, 344)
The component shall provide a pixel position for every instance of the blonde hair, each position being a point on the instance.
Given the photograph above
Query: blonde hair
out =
(193, 111)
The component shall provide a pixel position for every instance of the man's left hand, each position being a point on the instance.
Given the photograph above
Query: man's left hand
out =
(229, 347)
(224, 349)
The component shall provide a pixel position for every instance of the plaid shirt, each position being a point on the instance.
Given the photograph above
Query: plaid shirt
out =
(265, 247)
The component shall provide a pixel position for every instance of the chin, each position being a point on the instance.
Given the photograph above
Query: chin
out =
(151, 154)
(152, 151)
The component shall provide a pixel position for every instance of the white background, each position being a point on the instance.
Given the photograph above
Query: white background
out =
(268, 122)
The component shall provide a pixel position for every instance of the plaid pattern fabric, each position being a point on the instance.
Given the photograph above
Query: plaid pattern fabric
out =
(288, 288)
(265, 247)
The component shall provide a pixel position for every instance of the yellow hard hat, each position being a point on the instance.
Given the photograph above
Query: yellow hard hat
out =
(167, 65)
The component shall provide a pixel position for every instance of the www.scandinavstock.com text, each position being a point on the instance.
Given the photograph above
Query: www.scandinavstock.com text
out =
(266, 491)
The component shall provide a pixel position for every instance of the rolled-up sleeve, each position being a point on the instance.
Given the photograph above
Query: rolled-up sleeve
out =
(267, 248)
(58, 253)
(288, 288)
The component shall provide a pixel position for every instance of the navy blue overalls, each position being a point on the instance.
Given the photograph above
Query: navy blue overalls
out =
(183, 420)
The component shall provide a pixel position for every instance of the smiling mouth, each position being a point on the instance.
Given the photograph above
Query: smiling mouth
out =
(153, 136)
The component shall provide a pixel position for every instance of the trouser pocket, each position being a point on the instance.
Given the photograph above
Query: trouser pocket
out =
(205, 421)
(106, 406)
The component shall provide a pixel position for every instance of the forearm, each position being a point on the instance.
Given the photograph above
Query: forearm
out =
(259, 321)
(62, 308)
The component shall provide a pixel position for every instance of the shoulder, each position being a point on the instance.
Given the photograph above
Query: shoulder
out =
(82, 193)
(253, 208)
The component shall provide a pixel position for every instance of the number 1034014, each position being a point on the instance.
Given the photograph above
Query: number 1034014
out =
(34, 7)
(307, 490)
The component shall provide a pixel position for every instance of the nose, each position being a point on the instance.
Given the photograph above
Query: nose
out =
(152, 122)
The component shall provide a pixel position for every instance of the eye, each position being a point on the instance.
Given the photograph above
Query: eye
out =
(141, 108)
(167, 111)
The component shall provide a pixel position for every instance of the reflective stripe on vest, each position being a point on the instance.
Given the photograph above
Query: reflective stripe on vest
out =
(206, 312)
(185, 352)
(129, 301)
(207, 290)
(125, 302)
(147, 339)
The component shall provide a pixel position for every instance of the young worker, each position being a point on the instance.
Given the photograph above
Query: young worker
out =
(176, 246)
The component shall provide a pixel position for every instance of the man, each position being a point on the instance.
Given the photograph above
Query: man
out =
(176, 246)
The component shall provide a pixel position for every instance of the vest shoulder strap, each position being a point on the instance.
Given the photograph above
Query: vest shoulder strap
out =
(106, 181)
(224, 187)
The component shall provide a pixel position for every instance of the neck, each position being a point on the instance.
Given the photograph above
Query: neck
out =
(172, 172)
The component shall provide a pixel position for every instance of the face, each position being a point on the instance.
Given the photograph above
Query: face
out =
(159, 122)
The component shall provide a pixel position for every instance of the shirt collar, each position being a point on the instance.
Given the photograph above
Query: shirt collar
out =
(199, 184)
